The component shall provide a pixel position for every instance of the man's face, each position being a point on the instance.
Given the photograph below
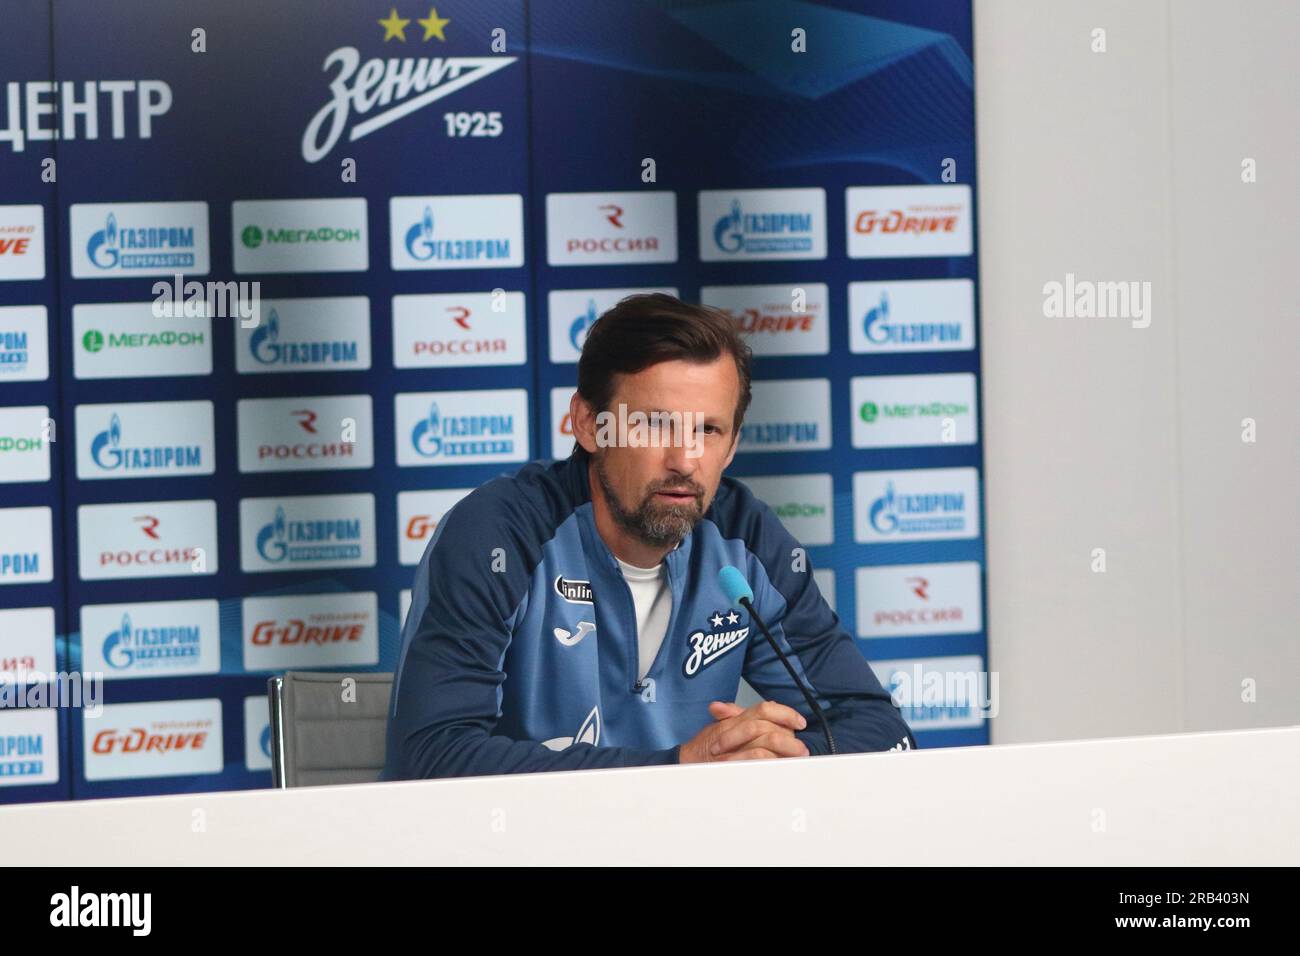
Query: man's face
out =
(658, 494)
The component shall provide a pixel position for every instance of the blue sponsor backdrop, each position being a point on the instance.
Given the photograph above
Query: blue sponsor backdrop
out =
(341, 99)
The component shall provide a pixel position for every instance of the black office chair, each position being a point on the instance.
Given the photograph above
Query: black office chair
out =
(327, 728)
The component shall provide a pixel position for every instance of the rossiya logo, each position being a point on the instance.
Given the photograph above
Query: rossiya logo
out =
(396, 86)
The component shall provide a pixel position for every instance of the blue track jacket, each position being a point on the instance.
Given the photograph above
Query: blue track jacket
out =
(519, 653)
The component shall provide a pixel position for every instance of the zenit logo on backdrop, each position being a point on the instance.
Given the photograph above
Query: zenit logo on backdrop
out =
(366, 97)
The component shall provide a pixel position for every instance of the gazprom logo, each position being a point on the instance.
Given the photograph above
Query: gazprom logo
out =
(879, 330)
(145, 247)
(924, 513)
(13, 352)
(108, 452)
(582, 325)
(419, 238)
(768, 232)
(267, 349)
(426, 436)
(320, 539)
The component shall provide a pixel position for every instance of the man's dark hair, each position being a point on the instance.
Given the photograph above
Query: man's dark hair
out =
(646, 329)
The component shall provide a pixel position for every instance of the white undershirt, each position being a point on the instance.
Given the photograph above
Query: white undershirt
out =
(653, 600)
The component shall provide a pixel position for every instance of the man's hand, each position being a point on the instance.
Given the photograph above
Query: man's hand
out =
(762, 731)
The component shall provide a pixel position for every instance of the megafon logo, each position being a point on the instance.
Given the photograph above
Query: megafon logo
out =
(145, 247)
(397, 86)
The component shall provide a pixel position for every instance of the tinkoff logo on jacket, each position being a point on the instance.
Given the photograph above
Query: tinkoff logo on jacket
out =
(707, 646)
(301, 541)
(145, 648)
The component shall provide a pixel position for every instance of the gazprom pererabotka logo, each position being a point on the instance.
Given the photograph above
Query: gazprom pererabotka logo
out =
(141, 247)
(311, 540)
(462, 435)
(158, 646)
(723, 634)
(923, 513)
(580, 326)
(766, 232)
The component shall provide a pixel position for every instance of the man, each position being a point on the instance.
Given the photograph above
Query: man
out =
(571, 616)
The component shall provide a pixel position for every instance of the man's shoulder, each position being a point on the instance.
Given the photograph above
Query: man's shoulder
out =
(739, 514)
(536, 499)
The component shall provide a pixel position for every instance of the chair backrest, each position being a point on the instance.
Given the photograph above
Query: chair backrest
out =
(328, 727)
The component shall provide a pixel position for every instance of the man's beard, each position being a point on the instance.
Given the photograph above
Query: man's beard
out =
(654, 522)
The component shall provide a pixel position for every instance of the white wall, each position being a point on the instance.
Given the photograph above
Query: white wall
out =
(1126, 165)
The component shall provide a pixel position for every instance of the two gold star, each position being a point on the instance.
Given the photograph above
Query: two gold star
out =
(395, 26)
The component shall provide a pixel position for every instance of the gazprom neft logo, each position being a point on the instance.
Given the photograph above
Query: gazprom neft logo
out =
(306, 335)
(307, 531)
(804, 503)
(450, 428)
(572, 312)
(762, 224)
(924, 315)
(117, 240)
(723, 634)
(911, 410)
(456, 232)
(299, 235)
(145, 439)
(573, 590)
(151, 639)
(26, 545)
(924, 504)
(390, 88)
(788, 415)
(29, 746)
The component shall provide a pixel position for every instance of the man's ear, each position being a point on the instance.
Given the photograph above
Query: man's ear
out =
(735, 443)
(583, 419)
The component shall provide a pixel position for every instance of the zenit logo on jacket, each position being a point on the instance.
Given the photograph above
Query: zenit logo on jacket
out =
(520, 649)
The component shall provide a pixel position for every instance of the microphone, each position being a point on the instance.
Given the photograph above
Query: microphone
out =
(739, 592)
